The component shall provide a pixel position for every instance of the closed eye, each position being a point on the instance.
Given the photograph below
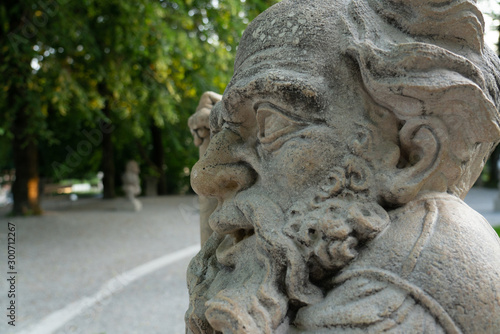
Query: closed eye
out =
(273, 124)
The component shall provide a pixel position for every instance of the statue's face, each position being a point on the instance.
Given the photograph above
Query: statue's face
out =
(280, 152)
(275, 134)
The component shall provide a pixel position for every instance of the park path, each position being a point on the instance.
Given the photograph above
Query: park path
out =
(88, 267)
(85, 252)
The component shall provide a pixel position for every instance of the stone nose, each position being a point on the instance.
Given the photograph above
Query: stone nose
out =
(221, 171)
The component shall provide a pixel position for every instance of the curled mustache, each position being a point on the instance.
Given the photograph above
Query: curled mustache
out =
(258, 305)
(261, 211)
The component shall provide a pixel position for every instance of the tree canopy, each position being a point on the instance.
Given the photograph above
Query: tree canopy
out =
(90, 84)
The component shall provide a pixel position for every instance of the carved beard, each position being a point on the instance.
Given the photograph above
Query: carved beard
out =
(287, 264)
(244, 298)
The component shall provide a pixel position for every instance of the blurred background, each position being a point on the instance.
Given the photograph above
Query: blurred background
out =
(88, 85)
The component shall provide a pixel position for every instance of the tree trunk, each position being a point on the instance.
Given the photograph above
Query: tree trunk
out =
(25, 187)
(159, 157)
(108, 161)
(495, 155)
(494, 177)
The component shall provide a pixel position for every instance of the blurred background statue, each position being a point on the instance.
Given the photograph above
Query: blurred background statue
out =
(132, 184)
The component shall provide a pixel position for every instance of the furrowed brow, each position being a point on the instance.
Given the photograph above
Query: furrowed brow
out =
(290, 87)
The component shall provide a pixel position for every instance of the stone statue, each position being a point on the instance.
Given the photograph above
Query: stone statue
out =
(200, 129)
(132, 184)
(340, 154)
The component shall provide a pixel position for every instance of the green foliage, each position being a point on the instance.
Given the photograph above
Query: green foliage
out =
(497, 229)
(66, 62)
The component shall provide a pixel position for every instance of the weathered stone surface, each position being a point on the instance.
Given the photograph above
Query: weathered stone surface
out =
(132, 184)
(339, 155)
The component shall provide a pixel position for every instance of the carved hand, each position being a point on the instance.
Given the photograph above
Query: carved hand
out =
(199, 122)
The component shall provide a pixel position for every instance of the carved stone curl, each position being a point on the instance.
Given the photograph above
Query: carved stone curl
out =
(339, 156)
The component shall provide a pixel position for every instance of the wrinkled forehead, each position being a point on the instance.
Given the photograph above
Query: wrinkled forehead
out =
(294, 49)
(269, 75)
(296, 26)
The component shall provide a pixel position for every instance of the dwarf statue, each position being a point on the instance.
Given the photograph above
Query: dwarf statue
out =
(339, 156)
(132, 184)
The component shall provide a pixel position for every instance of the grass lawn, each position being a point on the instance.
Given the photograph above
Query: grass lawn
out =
(497, 228)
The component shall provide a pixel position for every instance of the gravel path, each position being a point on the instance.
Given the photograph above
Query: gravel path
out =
(75, 248)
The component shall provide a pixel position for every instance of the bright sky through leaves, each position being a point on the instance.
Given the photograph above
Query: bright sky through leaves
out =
(488, 7)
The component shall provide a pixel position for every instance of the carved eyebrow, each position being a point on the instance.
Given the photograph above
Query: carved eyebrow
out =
(293, 88)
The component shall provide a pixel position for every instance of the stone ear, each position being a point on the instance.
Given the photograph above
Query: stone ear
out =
(421, 150)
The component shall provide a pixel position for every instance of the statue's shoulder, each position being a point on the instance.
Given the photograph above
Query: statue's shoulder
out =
(432, 233)
(437, 265)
